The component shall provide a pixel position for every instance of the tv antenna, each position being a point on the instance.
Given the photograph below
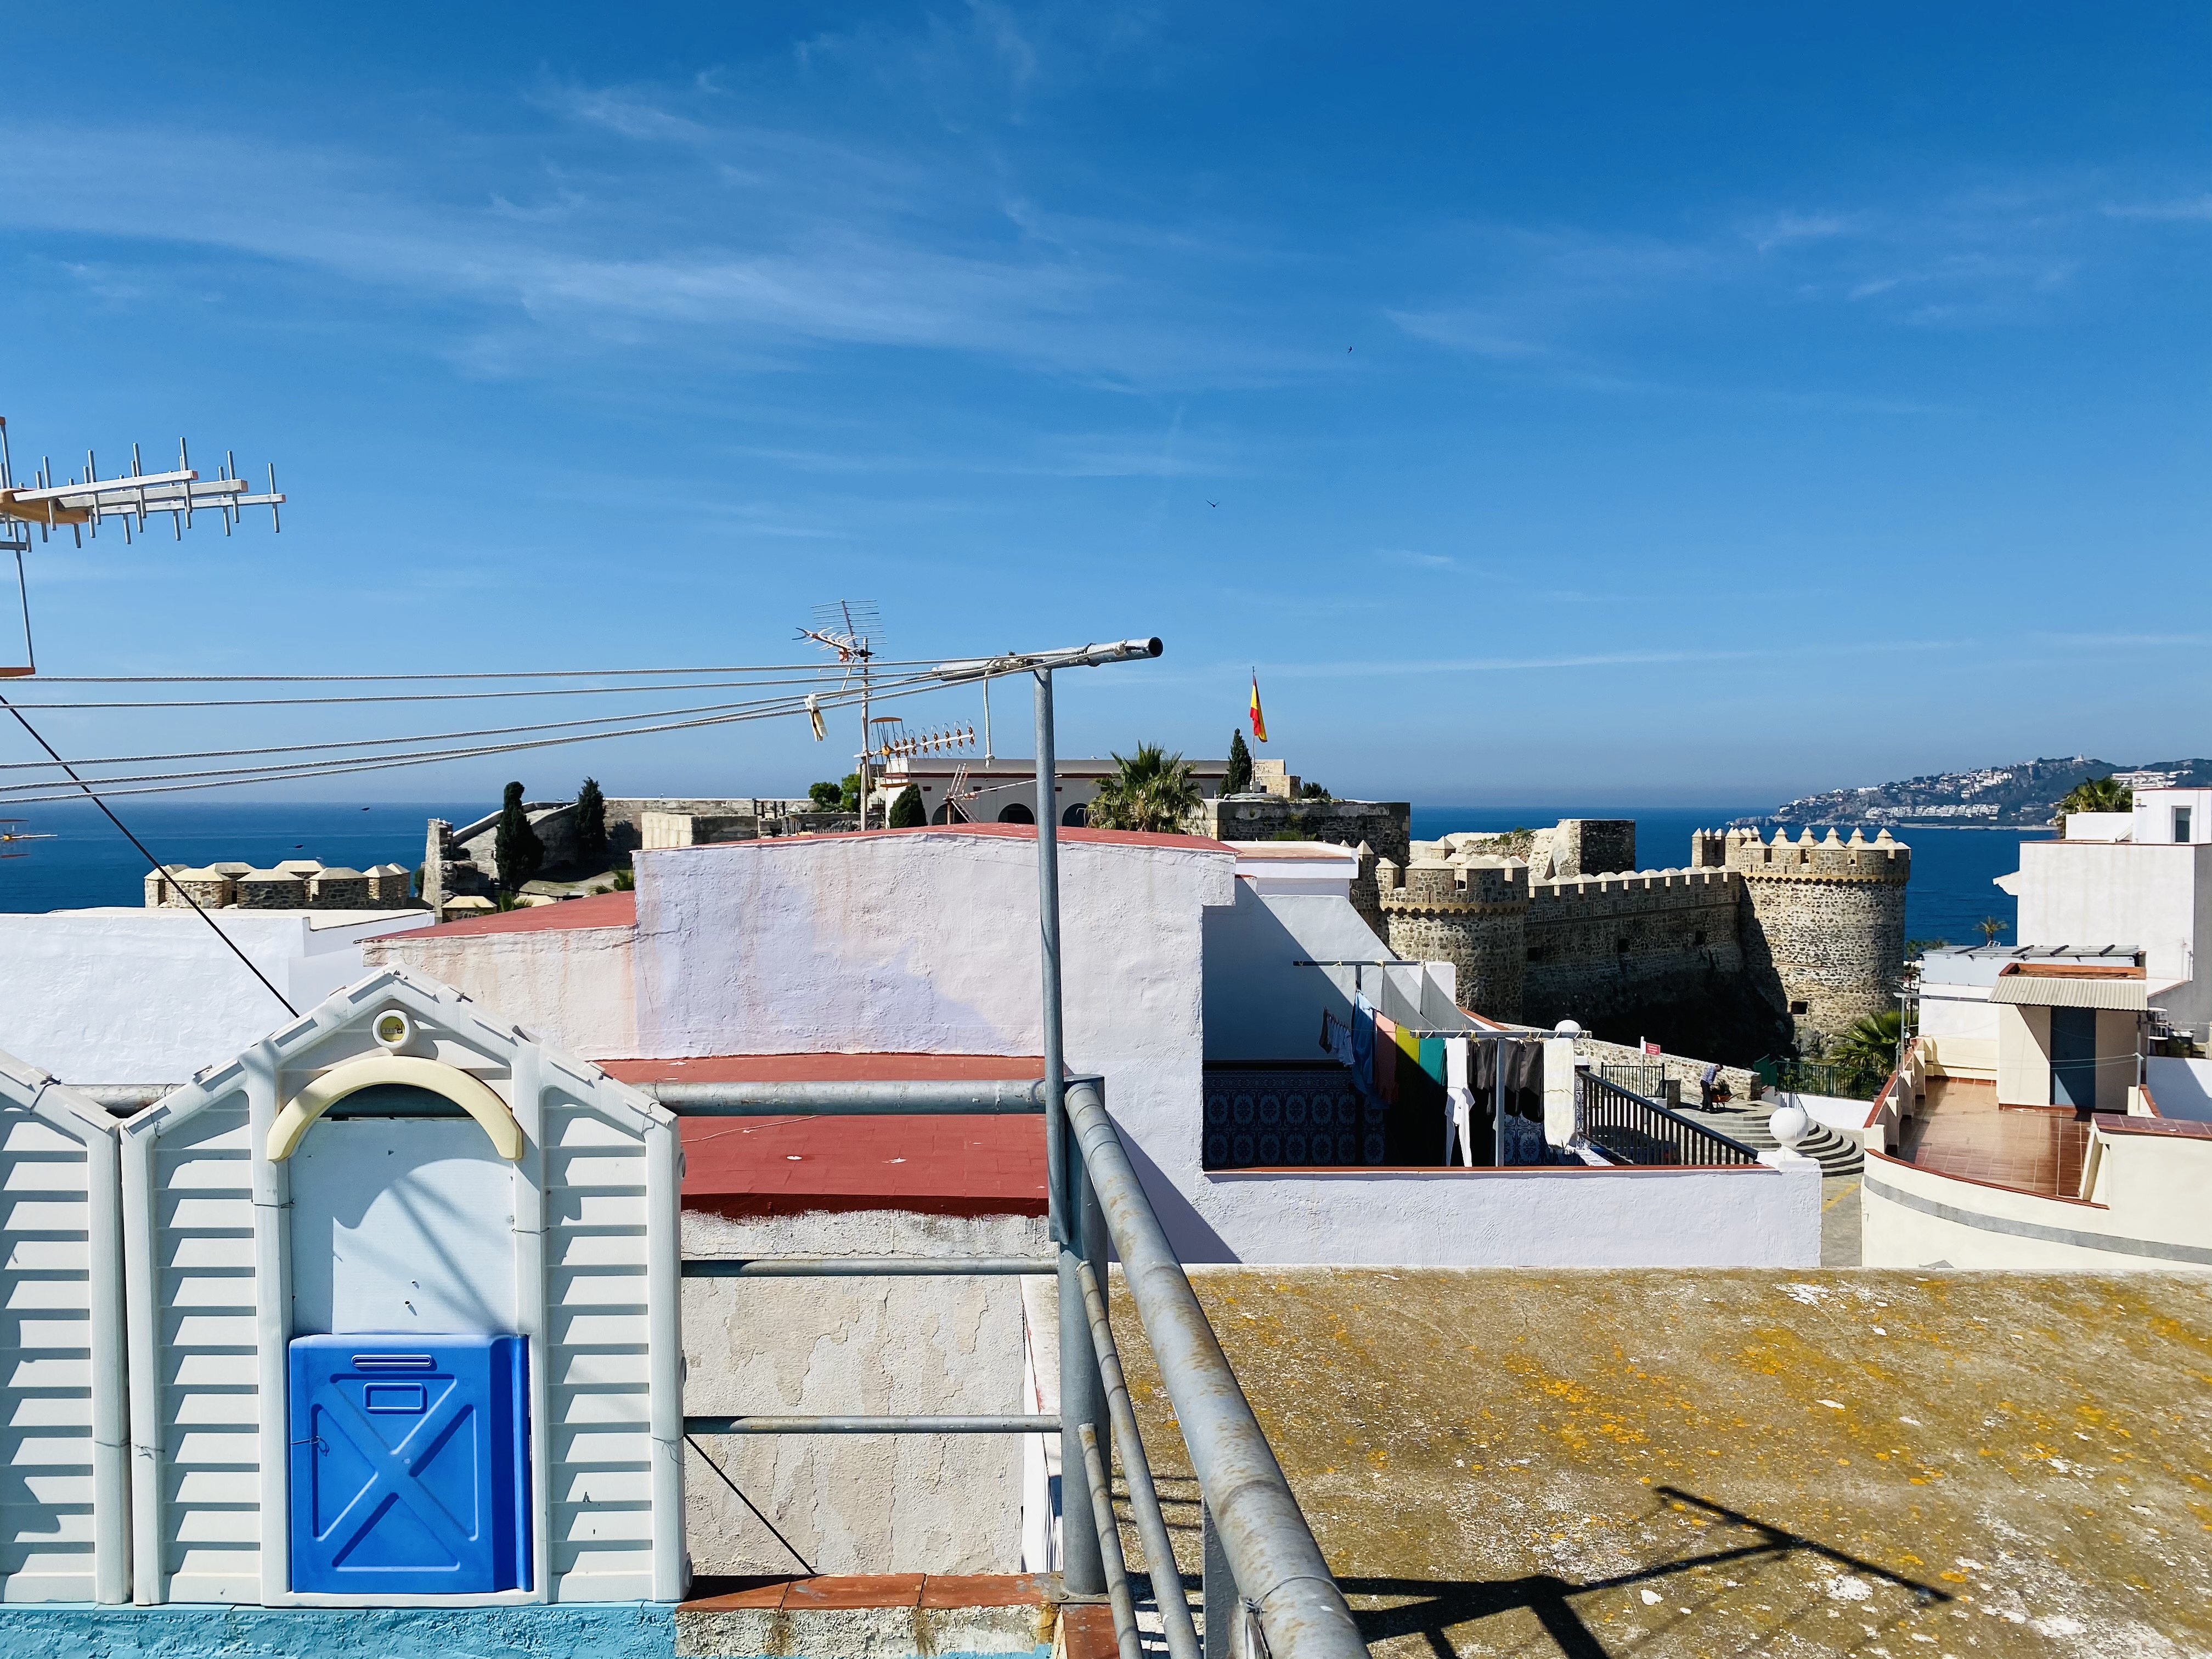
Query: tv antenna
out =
(853, 630)
(79, 505)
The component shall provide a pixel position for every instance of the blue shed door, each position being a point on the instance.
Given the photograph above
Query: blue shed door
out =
(410, 1465)
(2074, 1058)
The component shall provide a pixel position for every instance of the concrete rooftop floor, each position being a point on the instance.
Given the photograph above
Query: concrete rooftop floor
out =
(1714, 1462)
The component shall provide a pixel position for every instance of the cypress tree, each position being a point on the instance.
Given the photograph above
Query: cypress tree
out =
(516, 850)
(906, 811)
(1239, 776)
(590, 820)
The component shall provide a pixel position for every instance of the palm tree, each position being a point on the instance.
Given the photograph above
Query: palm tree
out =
(1991, 927)
(2096, 795)
(1867, 1051)
(1150, 790)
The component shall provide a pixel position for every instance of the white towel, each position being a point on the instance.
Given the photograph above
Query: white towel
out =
(1462, 1098)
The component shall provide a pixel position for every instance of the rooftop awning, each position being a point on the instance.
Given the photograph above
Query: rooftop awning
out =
(2038, 992)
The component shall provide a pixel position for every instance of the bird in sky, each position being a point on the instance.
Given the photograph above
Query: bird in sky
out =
(1214, 503)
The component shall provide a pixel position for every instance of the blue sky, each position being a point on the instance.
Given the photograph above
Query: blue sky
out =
(1603, 404)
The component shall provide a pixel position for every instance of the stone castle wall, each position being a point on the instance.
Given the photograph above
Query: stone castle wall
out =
(1475, 918)
(1814, 932)
(1826, 938)
(1605, 944)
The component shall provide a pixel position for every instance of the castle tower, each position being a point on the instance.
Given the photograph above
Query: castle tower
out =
(1474, 916)
(1824, 935)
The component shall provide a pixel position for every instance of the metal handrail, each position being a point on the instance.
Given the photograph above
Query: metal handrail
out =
(1144, 1496)
(1100, 1488)
(1601, 1104)
(871, 1098)
(1263, 1532)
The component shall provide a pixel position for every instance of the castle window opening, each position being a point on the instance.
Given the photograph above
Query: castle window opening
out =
(1699, 938)
(1621, 944)
(1796, 1007)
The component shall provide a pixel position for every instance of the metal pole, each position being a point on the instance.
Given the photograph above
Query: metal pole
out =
(1300, 1610)
(1082, 1568)
(1218, 1592)
(1498, 1103)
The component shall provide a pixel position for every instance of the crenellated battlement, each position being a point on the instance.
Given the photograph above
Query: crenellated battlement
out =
(1694, 887)
(1884, 859)
(1431, 884)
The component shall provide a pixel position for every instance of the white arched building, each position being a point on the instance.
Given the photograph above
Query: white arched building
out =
(398, 1169)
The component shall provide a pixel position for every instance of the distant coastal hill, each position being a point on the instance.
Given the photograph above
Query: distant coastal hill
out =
(2024, 795)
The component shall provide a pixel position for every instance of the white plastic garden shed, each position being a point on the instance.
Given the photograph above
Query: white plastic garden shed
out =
(330, 1243)
(63, 1477)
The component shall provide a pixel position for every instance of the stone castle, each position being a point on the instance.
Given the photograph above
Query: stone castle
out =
(1752, 942)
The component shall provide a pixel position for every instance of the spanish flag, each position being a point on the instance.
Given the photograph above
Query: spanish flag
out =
(1259, 721)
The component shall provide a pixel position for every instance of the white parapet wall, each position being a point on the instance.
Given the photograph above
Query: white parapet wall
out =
(1553, 1216)
(135, 996)
(2147, 1181)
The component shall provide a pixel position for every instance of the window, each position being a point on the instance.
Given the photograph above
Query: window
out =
(2181, 823)
(1796, 1007)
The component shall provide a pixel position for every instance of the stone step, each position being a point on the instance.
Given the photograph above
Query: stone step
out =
(1836, 1154)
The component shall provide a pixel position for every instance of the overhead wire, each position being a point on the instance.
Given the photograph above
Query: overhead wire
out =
(814, 665)
(820, 675)
(174, 783)
(153, 863)
(356, 743)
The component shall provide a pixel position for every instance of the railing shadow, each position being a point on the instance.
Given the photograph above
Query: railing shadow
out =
(1431, 1607)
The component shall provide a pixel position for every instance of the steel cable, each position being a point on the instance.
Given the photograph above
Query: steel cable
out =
(176, 783)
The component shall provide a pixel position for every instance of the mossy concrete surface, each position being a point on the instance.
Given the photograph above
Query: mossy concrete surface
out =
(1716, 1462)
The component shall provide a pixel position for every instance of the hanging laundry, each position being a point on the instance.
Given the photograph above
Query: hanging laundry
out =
(1362, 1045)
(1460, 1094)
(1336, 1038)
(1432, 1058)
(1386, 1059)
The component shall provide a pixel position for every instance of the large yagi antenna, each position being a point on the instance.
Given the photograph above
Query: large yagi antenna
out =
(81, 505)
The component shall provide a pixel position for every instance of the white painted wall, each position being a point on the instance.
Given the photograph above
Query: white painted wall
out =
(117, 995)
(1258, 1007)
(2146, 895)
(928, 942)
(2156, 816)
(573, 985)
(2182, 1088)
(1553, 1217)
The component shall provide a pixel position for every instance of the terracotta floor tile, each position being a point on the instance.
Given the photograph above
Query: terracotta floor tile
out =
(857, 1589)
(1002, 1589)
(757, 1596)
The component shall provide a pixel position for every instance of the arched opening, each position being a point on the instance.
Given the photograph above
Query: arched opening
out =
(1077, 817)
(948, 813)
(1016, 813)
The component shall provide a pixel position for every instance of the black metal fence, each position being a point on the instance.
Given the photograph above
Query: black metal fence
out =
(1630, 1129)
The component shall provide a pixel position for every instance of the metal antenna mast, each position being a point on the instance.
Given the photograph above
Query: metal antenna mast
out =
(854, 631)
(80, 504)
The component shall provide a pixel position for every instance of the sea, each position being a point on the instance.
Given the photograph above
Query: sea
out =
(1952, 869)
(88, 863)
